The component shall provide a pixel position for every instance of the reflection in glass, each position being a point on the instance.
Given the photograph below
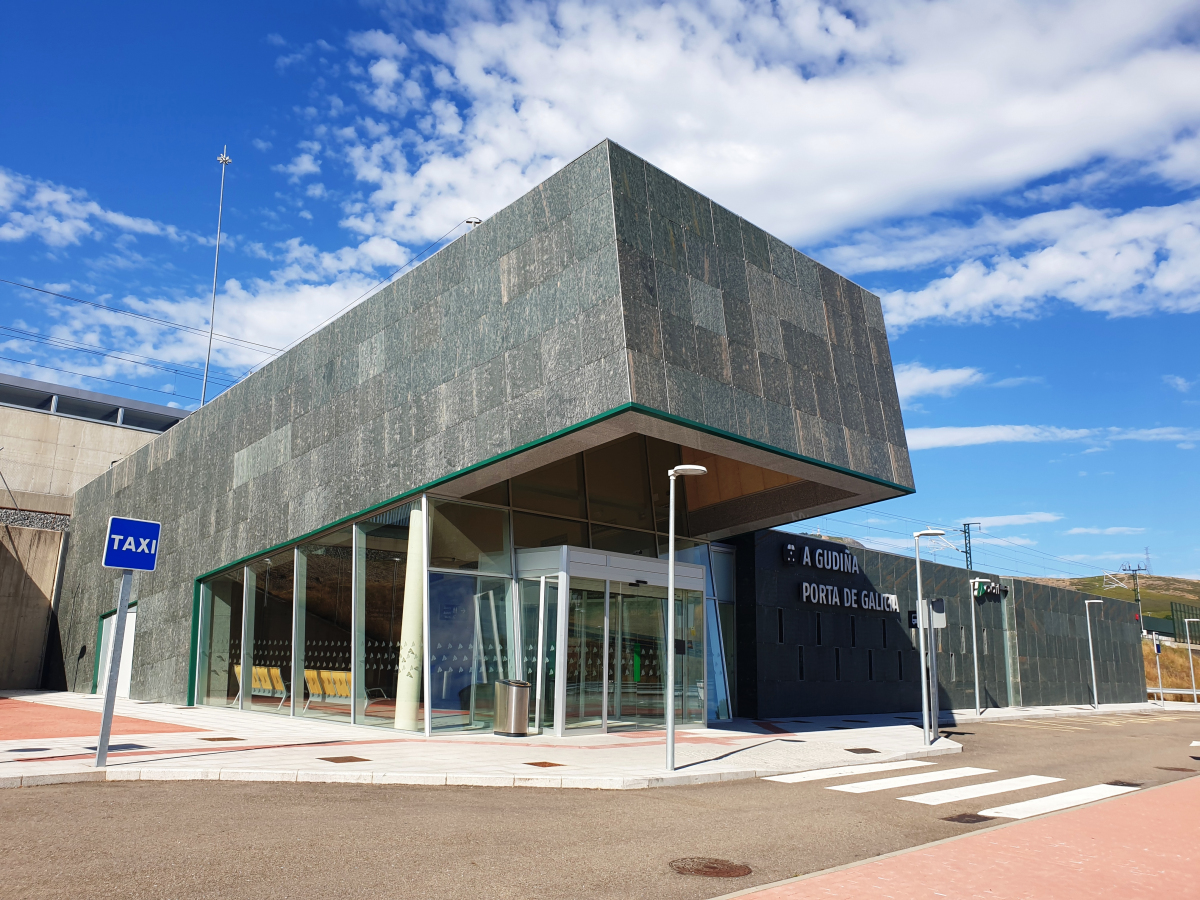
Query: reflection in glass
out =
(585, 653)
(542, 531)
(556, 489)
(271, 647)
(549, 654)
(221, 643)
(637, 663)
(469, 537)
(662, 458)
(495, 494)
(618, 483)
(325, 608)
(391, 628)
(471, 630)
(529, 596)
(622, 540)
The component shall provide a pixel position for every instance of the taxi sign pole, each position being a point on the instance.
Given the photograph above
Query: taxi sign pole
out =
(129, 544)
(114, 669)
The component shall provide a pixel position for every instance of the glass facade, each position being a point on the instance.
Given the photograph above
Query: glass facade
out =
(408, 618)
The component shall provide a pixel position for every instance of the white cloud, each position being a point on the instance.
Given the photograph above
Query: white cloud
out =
(301, 165)
(260, 144)
(1116, 529)
(60, 216)
(973, 435)
(862, 110)
(1179, 383)
(1031, 518)
(1120, 264)
(915, 380)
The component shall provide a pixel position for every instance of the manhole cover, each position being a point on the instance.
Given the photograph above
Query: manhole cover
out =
(709, 867)
(967, 819)
(28, 749)
(222, 739)
(343, 759)
(116, 748)
(1124, 783)
(544, 765)
(860, 750)
(1174, 769)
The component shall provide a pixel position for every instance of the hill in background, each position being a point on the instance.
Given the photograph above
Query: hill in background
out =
(1158, 591)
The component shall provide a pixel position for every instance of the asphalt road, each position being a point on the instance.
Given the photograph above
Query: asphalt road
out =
(265, 841)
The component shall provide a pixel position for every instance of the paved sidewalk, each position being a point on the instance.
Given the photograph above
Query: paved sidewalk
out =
(1122, 847)
(49, 738)
(235, 745)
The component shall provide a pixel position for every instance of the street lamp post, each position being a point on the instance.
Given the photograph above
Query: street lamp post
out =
(670, 692)
(922, 622)
(1091, 653)
(1191, 659)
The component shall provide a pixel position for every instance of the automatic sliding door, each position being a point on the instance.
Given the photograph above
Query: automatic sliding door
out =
(584, 674)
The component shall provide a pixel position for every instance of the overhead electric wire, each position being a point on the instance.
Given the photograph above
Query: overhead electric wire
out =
(229, 339)
(98, 378)
(75, 346)
(990, 537)
(983, 547)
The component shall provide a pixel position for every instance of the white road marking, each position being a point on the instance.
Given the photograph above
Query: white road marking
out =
(1196, 743)
(842, 771)
(1055, 802)
(884, 784)
(971, 791)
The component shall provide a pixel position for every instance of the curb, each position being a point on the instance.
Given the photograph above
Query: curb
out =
(292, 776)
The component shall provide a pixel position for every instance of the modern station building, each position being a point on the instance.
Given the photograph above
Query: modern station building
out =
(464, 478)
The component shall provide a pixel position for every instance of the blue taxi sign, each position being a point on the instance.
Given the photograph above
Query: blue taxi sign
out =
(131, 544)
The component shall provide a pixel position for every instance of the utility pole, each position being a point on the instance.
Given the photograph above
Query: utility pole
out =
(966, 530)
(1137, 594)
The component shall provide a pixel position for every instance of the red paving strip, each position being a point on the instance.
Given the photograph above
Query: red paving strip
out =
(1138, 845)
(23, 720)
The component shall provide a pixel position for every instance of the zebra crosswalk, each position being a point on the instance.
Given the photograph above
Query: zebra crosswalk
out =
(1019, 810)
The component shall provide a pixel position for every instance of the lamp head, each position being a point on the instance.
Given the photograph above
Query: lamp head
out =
(929, 532)
(1191, 620)
(688, 470)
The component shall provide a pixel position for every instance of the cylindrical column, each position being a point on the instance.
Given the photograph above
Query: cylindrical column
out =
(670, 642)
(1091, 654)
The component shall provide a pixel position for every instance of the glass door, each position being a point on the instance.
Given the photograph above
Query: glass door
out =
(584, 673)
(636, 670)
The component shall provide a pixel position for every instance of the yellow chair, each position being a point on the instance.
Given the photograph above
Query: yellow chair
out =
(313, 679)
(278, 684)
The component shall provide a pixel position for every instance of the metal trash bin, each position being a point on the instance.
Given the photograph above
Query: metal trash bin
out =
(512, 709)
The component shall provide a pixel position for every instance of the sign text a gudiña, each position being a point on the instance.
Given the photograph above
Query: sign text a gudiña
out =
(842, 566)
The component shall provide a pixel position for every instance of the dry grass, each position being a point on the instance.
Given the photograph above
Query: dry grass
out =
(1158, 591)
(1175, 673)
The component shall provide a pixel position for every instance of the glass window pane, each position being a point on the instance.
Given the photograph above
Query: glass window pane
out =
(556, 489)
(470, 637)
(469, 537)
(542, 531)
(326, 607)
(620, 540)
(496, 494)
(221, 643)
(549, 653)
(637, 624)
(618, 485)
(690, 701)
(271, 680)
(723, 574)
(390, 669)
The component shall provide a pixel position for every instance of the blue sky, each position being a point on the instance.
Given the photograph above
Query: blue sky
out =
(1018, 181)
